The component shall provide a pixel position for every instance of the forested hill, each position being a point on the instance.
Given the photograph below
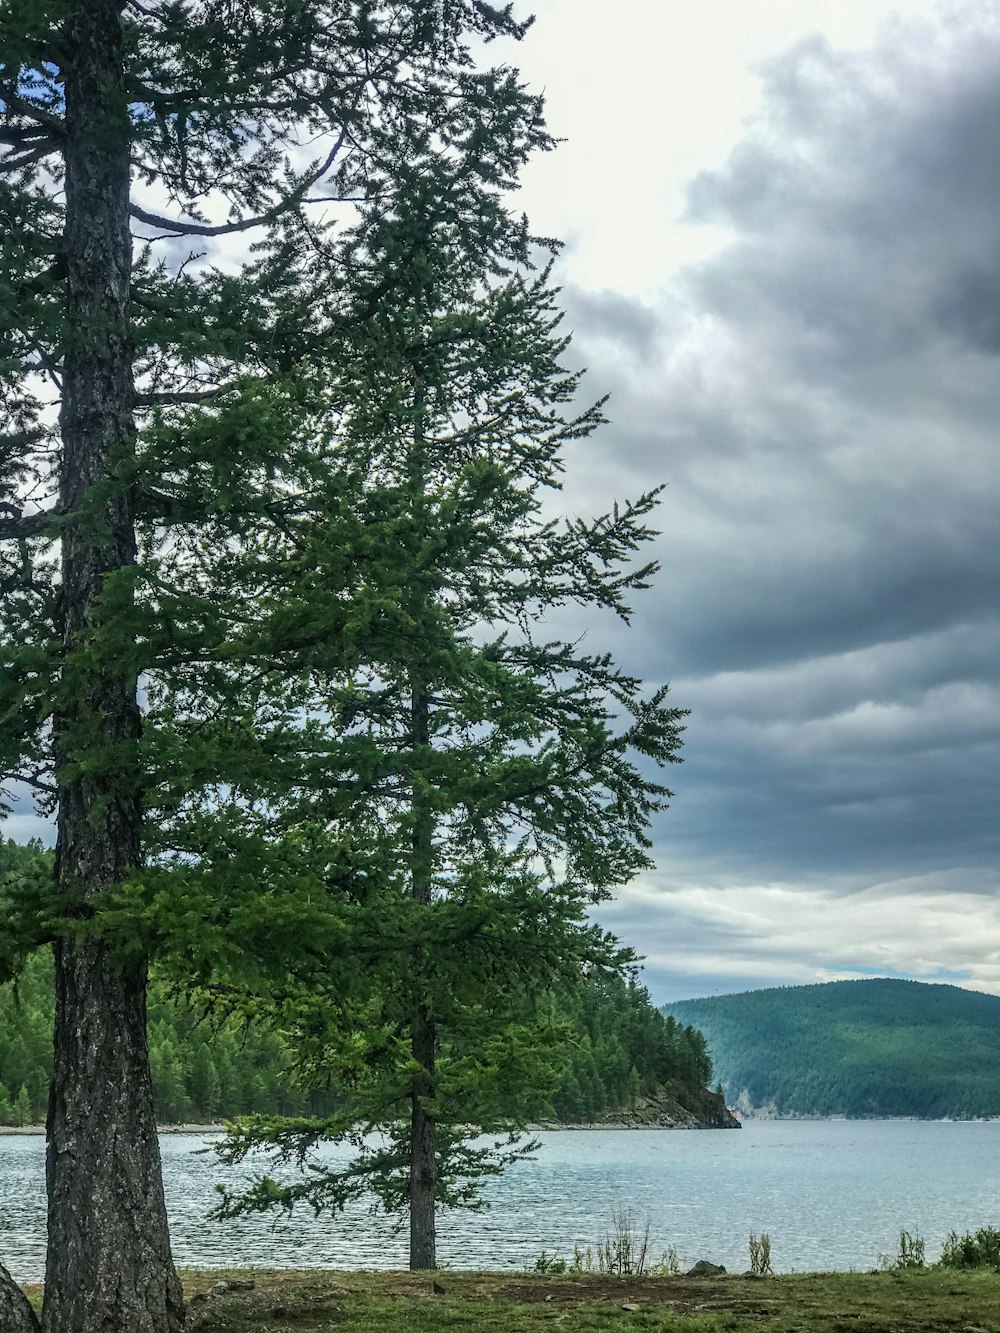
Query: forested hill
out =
(627, 1063)
(857, 1048)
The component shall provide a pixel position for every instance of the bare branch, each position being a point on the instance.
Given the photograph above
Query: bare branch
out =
(176, 399)
(297, 196)
(194, 228)
(27, 158)
(138, 8)
(45, 363)
(17, 526)
(14, 102)
(20, 135)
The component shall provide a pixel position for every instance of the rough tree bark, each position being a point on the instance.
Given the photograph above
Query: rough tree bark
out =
(423, 1159)
(16, 1315)
(423, 1156)
(108, 1268)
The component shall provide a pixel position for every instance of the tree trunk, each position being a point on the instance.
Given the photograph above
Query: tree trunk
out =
(16, 1315)
(108, 1268)
(423, 1157)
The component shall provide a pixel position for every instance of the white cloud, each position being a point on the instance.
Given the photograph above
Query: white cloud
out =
(931, 927)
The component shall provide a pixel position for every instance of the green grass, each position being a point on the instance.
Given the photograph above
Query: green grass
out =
(935, 1301)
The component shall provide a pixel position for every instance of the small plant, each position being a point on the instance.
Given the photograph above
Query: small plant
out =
(583, 1260)
(760, 1254)
(911, 1254)
(669, 1264)
(549, 1263)
(979, 1250)
(624, 1251)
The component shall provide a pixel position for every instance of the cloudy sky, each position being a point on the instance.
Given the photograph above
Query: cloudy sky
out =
(783, 260)
(782, 227)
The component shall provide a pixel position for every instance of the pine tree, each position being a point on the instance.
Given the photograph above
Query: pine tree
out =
(171, 1100)
(22, 1108)
(633, 1088)
(205, 1086)
(115, 112)
(482, 782)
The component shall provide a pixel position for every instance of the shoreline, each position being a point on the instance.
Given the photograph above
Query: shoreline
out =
(38, 1131)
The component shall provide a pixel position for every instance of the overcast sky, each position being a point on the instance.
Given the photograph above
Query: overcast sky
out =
(782, 226)
(783, 260)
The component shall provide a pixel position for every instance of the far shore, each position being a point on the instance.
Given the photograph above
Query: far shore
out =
(160, 1129)
(219, 1128)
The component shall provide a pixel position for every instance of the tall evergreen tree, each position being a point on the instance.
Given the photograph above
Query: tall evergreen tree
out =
(186, 120)
(484, 782)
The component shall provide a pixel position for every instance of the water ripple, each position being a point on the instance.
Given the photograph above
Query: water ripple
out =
(832, 1194)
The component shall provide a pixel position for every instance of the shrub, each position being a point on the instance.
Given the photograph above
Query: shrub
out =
(979, 1250)
(583, 1260)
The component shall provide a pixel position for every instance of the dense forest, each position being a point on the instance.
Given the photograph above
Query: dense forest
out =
(205, 1071)
(627, 1050)
(855, 1048)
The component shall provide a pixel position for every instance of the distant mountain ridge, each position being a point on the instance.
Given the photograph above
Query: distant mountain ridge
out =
(880, 1047)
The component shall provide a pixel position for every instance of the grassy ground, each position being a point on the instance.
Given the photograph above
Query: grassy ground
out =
(936, 1301)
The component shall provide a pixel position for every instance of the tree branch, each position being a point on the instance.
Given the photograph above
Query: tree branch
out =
(16, 527)
(176, 228)
(14, 102)
(28, 157)
(144, 10)
(175, 399)
(20, 135)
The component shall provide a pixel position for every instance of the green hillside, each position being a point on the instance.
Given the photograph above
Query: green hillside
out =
(856, 1048)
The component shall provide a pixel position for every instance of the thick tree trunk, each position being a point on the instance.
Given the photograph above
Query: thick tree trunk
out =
(16, 1315)
(423, 1157)
(108, 1267)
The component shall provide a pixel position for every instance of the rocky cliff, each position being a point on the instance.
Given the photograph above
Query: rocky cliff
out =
(669, 1109)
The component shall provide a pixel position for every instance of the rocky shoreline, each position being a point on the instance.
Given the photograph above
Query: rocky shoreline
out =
(704, 1110)
(708, 1110)
(662, 1111)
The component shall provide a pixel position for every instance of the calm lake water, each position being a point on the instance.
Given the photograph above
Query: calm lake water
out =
(831, 1194)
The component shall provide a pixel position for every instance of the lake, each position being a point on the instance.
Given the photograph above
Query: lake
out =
(831, 1194)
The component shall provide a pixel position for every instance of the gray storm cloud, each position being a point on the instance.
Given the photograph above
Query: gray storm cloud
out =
(825, 405)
